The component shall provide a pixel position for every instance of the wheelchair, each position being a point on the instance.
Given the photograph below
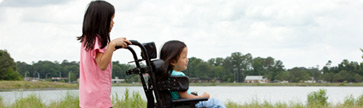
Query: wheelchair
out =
(157, 90)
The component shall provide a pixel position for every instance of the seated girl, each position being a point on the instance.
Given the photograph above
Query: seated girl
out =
(175, 56)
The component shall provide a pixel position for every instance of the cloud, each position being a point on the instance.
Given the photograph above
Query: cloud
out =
(300, 32)
(31, 3)
(288, 30)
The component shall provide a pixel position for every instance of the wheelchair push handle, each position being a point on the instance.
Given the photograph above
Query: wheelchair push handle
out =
(134, 42)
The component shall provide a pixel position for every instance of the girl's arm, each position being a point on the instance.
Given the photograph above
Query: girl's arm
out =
(103, 59)
(185, 95)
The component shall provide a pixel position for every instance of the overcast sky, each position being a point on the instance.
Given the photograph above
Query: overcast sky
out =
(300, 33)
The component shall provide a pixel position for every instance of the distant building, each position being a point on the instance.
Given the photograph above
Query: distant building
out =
(59, 78)
(310, 81)
(31, 79)
(116, 80)
(284, 81)
(255, 79)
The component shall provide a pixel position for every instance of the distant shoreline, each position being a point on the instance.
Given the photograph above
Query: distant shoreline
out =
(46, 85)
(260, 84)
(278, 84)
(34, 85)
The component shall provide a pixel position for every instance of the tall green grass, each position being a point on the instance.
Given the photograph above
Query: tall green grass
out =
(276, 84)
(316, 99)
(32, 101)
(69, 101)
(1, 102)
(128, 102)
(72, 101)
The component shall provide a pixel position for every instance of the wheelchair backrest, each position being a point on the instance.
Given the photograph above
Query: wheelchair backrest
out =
(165, 86)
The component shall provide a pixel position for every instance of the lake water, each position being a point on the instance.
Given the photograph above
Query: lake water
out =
(238, 94)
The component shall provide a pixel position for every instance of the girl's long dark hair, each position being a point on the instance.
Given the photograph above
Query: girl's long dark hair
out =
(96, 24)
(170, 52)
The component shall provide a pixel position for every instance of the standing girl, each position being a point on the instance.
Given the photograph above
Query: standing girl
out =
(175, 56)
(96, 53)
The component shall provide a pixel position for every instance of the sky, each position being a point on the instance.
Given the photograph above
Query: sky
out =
(300, 33)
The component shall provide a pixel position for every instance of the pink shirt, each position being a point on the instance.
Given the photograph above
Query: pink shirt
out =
(94, 84)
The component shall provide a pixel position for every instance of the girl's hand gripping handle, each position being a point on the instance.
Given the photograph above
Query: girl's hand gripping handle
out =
(120, 42)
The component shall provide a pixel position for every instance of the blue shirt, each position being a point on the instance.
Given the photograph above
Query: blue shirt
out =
(174, 94)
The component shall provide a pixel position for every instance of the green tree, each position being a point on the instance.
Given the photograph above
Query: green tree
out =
(357, 78)
(119, 70)
(315, 73)
(258, 67)
(219, 61)
(52, 69)
(8, 67)
(241, 64)
(219, 72)
(328, 76)
(23, 67)
(342, 76)
(228, 66)
(193, 67)
(283, 76)
(268, 67)
(72, 76)
(298, 74)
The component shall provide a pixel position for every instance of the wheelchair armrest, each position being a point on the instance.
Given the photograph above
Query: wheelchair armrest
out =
(195, 93)
(189, 100)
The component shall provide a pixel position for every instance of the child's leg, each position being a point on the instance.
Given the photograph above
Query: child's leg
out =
(211, 103)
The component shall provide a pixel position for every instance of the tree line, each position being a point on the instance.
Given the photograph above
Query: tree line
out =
(233, 68)
(236, 67)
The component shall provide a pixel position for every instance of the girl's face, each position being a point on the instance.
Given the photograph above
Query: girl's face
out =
(111, 23)
(182, 63)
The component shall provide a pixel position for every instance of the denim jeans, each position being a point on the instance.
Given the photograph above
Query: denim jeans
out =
(211, 103)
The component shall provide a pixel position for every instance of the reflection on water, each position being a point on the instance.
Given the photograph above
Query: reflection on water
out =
(237, 94)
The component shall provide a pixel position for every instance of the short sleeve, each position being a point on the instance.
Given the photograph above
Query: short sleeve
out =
(175, 73)
(97, 49)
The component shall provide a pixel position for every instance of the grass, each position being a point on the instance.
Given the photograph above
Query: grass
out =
(316, 99)
(31, 101)
(26, 85)
(12, 85)
(69, 101)
(257, 84)
(135, 101)
(128, 102)
(276, 84)
(1, 103)
(265, 104)
(72, 101)
(128, 84)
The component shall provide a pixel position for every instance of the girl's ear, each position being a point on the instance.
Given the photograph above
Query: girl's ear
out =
(173, 62)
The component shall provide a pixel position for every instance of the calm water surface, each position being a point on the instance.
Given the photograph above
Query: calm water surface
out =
(238, 94)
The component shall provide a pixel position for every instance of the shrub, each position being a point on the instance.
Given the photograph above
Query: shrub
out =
(128, 102)
(360, 101)
(317, 98)
(349, 101)
(69, 101)
(31, 101)
(1, 102)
